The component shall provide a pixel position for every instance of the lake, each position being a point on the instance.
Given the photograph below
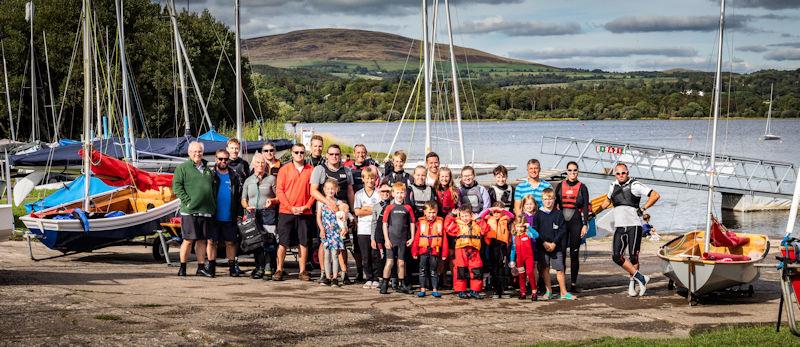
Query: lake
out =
(516, 142)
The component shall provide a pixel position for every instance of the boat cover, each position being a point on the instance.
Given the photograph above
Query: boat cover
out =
(119, 173)
(148, 148)
(213, 135)
(71, 192)
(724, 257)
(721, 237)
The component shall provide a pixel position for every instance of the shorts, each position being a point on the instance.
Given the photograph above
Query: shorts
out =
(223, 231)
(553, 260)
(194, 227)
(293, 229)
(397, 252)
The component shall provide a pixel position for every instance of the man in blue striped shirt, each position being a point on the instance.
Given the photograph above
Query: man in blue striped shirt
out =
(532, 185)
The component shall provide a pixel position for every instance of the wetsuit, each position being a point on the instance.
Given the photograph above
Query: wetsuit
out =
(399, 218)
(572, 198)
(377, 235)
(626, 198)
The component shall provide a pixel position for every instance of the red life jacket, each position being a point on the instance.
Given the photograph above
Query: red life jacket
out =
(569, 195)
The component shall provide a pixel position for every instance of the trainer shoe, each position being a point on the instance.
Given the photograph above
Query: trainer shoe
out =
(643, 286)
(421, 294)
(632, 288)
(375, 284)
(475, 295)
(367, 285)
(463, 295)
(436, 294)
(495, 296)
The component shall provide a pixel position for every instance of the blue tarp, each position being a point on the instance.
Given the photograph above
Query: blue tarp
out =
(64, 142)
(147, 149)
(212, 135)
(73, 191)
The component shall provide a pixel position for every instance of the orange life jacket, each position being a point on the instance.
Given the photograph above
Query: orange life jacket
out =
(498, 228)
(469, 235)
(430, 233)
(569, 195)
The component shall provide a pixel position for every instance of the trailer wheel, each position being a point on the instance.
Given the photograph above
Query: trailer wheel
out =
(158, 253)
(750, 291)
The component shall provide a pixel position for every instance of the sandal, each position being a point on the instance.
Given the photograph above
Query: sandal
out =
(568, 296)
(546, 296)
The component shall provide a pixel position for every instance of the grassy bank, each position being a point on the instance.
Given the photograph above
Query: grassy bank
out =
(764, 335)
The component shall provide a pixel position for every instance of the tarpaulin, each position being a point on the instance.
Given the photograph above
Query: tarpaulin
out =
(118, 173)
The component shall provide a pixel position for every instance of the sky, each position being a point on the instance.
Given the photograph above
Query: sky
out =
(613, 35)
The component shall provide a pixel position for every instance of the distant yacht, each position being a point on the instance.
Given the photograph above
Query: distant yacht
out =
(768, 135)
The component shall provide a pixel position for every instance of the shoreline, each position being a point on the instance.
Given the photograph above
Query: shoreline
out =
(551, 119)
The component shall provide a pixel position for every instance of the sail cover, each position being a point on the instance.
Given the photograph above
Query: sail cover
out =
(212, 135)
(118, 173)
(73, 191)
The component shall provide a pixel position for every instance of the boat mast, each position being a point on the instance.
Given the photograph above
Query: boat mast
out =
(30, 9)
(454, 71)
(717, 88)
(795, 202)
(87, 101)
(769, 112)
(126, 102)
(50, 87)
(239, 115)
(187, 130)
(8, 93)
(426, 67)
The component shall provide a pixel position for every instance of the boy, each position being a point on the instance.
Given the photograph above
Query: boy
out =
(501, 191)
(395, 173)
(648, 230)
(365, 199)
(398, 226)
(472, 193)
(468, 234)
(376, 238)
(497, 240)
(550, 225)
(429, 246)
(419, 192)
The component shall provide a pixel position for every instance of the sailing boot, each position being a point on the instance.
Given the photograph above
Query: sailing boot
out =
(232, 269)
(236, 268)
(201, 271)
(182, 270)
(632, 287)
(211, 268)
(384, 285)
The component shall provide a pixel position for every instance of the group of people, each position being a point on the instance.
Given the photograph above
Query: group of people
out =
(395, 224)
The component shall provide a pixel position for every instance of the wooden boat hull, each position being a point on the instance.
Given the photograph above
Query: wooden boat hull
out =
(144, 212)
(682, 262)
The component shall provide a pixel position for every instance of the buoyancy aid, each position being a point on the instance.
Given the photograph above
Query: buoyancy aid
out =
(569, 194)
(506, 196)
(356, 169)
(420, 195)
(274, 167)
(473, 197)
(469, 234)
(340, 176)
(623, 196)
(498, 228)
(430, 233)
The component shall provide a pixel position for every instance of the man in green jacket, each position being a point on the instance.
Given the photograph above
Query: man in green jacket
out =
(193, 184)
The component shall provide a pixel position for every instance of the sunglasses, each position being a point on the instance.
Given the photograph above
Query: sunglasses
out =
(335, 154)
(268, 150)
(223, 159)
(621, 173)
(299, 152)
(572, 170)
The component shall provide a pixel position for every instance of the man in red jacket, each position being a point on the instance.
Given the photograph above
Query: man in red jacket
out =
(293, 189)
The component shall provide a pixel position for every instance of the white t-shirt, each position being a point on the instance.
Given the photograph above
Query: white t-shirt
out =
(362, 200)
(627, 216)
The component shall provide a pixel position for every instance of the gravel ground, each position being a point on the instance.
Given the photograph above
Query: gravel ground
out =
(120, 296)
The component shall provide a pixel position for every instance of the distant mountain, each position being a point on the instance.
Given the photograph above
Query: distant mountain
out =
(352, 45)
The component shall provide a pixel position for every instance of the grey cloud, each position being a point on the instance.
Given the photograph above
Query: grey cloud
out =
(786, 44)
(611, 52)
(518, 28)
(696, 63)
(635, 24)
(765, 4)
(753, 48)
(783, 54)
(362, 7)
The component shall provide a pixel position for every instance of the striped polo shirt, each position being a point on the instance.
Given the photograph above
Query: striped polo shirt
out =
(526, 188)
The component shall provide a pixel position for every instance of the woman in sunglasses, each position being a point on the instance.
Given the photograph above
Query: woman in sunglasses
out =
(572, 198)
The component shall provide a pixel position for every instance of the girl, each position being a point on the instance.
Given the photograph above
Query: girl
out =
(449, 200)
(522, 256)
(528, 209)
(332, 230)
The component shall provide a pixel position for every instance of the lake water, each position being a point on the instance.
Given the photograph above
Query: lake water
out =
(516, 142)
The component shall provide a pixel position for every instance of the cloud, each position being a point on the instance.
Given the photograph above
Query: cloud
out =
(783, 54)
(753, 48)
(638, 24)
(692, 63)
(609, 52)
(765, 4)
(786, 44)
(497, 24)
(360, 7)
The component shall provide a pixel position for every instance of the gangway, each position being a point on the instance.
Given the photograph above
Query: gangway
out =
(736, 177)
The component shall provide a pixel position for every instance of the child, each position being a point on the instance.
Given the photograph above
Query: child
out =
(398, 226)
(472, 193)
(501, 191)
(395, 173)
(376, 238)
(419, 192)
(550, 225)
(365, 199)
(333, 228)
(446, 192)
(522, 256)
(649, 230)
(468, 234)
(430, 245)
(497, 240)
